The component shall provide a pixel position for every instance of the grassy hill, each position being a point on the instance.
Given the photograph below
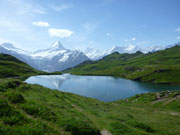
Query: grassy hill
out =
(34, 110)
(12, 67)
(27, 109)
(158, 67)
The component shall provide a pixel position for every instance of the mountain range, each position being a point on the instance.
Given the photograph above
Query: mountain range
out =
(55, 58)
(157, 67)
(96, 54)
(30, 109)
(58, 58)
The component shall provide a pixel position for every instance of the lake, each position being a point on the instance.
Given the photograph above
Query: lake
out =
(104, 88)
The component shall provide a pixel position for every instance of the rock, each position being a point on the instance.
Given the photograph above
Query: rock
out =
(105, 132)
(157, 96)
(126, 100)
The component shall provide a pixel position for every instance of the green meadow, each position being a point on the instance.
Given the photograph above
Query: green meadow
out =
(34, 110)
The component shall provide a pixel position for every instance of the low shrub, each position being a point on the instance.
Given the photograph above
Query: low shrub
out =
(15, 97)
(2, 89)
(6, 109)
(17, 119)
(24, 87)
(144, 127)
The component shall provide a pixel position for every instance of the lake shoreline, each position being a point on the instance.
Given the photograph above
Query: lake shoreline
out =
(104, 88)
(139, 80)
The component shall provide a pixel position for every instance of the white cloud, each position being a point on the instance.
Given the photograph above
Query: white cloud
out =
(130, 40)
(41, 24)
(62, 33)
(109, 34)
(39, 11)
(133, 39)
(178, 29)
(178, 37)
(61, 7)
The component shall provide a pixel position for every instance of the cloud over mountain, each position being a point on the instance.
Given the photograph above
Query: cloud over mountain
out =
(62, 33)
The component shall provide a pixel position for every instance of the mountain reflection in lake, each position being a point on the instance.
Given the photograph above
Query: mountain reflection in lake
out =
(104, 88)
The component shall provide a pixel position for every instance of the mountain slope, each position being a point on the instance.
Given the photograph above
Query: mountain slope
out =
(12, 67)
(158, 67)
(55, 58)
(33, 109)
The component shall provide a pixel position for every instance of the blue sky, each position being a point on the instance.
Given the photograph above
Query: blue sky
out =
(101, 24)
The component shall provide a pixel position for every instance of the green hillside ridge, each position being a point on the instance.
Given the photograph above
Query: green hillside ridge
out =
(158, 67)
(13, 68)
(27, 109)
(34, 110)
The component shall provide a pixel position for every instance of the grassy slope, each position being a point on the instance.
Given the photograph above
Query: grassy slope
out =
(159, 67)
(35, 110)
(12, 67)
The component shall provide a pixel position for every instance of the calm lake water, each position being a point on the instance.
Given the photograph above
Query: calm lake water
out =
(104, 88)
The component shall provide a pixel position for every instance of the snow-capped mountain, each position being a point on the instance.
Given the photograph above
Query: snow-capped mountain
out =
(98, 54)
(95, 54)
(55, 58)
(58, 58)
(49, 53)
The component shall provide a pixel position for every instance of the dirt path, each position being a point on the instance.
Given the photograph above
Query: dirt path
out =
(159, 99)
(175, 114)
(165, 99)
(105, 132)
(176, 97)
